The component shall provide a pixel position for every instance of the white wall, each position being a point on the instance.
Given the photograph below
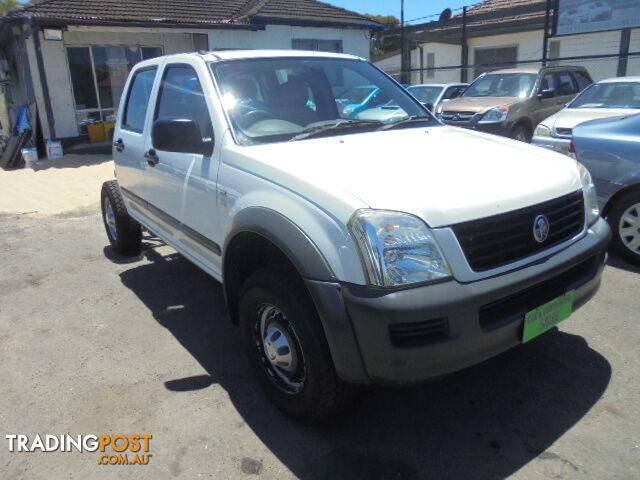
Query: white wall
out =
(354, 41)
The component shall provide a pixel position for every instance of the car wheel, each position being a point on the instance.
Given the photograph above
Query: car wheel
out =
(624, 219)
(124, 233)
(521, 133)
(287, 348)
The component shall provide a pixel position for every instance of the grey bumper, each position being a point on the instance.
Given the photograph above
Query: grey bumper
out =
(560, 145)
(454, 325)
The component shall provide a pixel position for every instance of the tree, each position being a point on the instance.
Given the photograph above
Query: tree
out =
(7, 5)
(380, 43)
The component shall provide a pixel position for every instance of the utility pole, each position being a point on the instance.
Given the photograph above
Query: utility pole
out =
(403, 74)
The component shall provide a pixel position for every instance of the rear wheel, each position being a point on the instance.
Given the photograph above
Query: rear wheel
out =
(124, 233)
(287, 348)
(624, 219)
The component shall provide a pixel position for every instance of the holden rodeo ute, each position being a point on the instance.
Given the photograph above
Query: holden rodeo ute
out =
(351, 251)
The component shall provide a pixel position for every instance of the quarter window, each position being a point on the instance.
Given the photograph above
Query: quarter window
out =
(135, 111)
(583, 79)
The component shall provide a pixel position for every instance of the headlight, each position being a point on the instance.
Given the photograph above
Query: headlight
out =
(542, 131)
(495, 115)
(590, 197)
(397, 248)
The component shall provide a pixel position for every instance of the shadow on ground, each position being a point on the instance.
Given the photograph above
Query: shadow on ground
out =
(616, 261)
(485, 422)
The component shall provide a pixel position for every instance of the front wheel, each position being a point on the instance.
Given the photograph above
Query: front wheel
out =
(624, 219)
(521, 133)
(287, 348)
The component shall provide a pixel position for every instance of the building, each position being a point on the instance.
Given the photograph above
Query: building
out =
(71, 57)
(501, 33)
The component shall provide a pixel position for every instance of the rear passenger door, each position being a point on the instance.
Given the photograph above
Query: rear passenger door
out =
(130, 135)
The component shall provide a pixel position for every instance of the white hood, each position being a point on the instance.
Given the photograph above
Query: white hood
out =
(444, 175)
(570, 117)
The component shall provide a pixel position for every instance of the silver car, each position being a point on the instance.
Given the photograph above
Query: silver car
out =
(610, 149)
(431, 95)
(608, 98)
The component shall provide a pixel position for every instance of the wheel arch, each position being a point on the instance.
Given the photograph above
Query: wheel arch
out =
(258, 236)
(620, 193)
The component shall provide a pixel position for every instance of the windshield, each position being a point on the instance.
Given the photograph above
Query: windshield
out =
(609, 95)
(502, 85)
(426, 94)
(280, 99)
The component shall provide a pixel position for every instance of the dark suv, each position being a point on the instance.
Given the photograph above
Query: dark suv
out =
(513, 101)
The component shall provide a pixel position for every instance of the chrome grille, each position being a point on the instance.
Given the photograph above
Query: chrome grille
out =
(508, 237)
(457, 116)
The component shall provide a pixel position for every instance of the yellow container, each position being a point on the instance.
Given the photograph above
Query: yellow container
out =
(96, 132)
(109, 127)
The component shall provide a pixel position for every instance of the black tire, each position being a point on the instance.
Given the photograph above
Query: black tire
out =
(318, 393)
(127, 236)
(614, 217)
(521, 133)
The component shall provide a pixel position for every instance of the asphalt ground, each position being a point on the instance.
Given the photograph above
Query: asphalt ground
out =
(94, 343)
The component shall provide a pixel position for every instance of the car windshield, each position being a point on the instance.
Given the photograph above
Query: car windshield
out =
(502, 85)
(426, 94)
(293, 98)
(609, 95)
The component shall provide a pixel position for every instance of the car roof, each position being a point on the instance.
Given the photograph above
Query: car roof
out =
(535, 69)
(218, 55)
(631, 78)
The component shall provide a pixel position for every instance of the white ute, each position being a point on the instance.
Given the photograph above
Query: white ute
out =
(351, 251)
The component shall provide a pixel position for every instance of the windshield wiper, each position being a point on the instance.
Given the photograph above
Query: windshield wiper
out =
(402, 121)
(340, 125)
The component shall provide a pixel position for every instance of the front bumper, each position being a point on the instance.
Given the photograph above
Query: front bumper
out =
(560, 145)
(369, 330)
(501, 128)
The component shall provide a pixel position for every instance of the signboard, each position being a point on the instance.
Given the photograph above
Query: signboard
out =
(583, 16)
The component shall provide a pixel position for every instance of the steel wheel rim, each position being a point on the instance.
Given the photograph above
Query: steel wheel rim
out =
(279, 349)
(110, 218)
(629, 228)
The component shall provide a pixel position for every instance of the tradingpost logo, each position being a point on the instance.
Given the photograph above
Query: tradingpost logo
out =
(113, 449)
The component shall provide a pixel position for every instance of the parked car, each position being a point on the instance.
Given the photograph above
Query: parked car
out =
(344, 260)
(430, 95)
(512, 102)
(610, 149)
(607, 98)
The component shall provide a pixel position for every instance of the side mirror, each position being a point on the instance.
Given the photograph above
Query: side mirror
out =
(547, 93)
(180, 135)
(428, 106)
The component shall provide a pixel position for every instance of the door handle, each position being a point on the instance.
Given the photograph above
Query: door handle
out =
(152, 157)
(119, 144)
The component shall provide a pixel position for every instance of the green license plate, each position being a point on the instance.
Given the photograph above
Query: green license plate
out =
(547, 316)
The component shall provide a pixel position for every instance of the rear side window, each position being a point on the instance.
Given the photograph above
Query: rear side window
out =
(566, 84)
(135, 110)
(181, 96)
(583, 79)
(453, 92)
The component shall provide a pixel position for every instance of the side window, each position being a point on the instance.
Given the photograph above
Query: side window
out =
(566, 84)
(181, 96)
(583, 79)
(135, 110)
(452, 92)
(548, 83)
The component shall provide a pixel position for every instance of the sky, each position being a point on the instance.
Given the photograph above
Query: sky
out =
(412, 8)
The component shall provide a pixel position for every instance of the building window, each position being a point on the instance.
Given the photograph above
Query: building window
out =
(431, 62)
(334, 46)
(554, 52)
(98, 76)
(488, 58)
